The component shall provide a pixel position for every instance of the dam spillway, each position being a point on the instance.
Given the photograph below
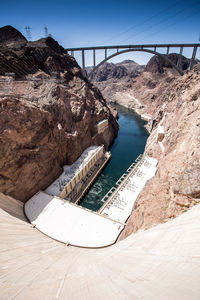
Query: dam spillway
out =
(71, 224)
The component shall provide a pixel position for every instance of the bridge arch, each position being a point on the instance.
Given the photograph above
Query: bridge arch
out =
(163, 56)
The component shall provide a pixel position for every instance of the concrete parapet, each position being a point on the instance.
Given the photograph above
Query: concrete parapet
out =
(160, 134)
(102, 125)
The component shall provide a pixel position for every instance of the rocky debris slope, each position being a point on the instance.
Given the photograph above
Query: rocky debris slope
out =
(176, 186)
(46, 122)
(142, 95)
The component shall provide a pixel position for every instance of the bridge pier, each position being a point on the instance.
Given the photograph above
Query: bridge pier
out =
(105, 53)
(180, 57)
(193, 57)
(168, 50)
(94, 58)
(83, 60)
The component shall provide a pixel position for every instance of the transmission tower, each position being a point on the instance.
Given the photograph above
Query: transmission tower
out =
(28, 33)
(46, 31)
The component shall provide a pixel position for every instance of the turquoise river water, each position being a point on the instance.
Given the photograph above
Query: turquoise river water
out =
(129, 143)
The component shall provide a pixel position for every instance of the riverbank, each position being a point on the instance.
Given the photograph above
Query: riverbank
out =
(129, 101)
(128, 145)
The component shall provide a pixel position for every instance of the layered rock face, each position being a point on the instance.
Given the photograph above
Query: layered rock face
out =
(176, 186)
(46, 123)
(112, 78)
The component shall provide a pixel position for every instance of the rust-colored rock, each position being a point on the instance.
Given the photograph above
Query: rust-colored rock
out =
(41, 131)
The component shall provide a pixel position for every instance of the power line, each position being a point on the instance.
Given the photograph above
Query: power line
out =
(179, 21)
(28, 33)
(155, 25)
(46, 31)
(146, 21)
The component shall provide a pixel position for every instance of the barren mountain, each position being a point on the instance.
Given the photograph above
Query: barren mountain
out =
(45, 122)
(9, 34)
(111, 78)
(151, 81)
(158, 65)
(126, 68)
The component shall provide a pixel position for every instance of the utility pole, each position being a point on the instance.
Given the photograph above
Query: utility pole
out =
(28, 33)
(46, 31)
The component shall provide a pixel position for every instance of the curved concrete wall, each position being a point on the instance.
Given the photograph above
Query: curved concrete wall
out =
(159, 263)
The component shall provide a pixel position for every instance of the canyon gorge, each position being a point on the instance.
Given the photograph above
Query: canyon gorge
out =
(54, 122)
(46, 123)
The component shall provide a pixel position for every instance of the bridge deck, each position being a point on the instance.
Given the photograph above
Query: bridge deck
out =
(135, 46)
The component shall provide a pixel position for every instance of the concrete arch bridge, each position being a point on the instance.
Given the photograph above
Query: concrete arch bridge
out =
(148, 48)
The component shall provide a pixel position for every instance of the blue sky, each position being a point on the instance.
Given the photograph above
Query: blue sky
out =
(92, 23)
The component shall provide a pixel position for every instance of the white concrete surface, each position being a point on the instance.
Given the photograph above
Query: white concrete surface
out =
(160, 133)
(162, 263)
(70, 223)
(121, 203)
(75, 225)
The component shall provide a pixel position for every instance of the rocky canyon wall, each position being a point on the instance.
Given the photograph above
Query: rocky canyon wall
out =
(176, 186)
(45, 123)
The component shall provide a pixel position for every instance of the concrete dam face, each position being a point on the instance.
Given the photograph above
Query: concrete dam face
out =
(160, 263)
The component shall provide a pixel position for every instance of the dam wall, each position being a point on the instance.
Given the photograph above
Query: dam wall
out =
(77, 178)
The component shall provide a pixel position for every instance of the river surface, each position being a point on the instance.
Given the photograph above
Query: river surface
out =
(130, 142)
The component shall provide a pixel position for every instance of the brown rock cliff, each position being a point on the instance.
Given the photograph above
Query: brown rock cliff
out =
(45, 122)
(176, 186)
